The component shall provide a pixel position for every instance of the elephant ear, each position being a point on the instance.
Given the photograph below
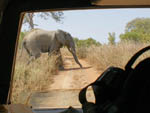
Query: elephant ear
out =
(54, 43)
(61, 37)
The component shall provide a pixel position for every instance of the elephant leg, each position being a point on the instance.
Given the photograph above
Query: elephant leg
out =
(73, 52)
(28, 52)
(51, 53)
(30, 59)
(33, 57)
(59, 60)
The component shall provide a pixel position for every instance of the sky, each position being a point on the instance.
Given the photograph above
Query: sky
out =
(94, 23)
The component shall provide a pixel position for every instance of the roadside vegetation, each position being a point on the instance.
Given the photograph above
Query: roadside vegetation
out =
(117, 55)
(33, 77)
(37, 75)
(135, 37)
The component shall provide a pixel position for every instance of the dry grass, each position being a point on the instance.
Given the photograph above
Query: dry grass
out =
(112, 55)
(33, 77)
(38, 75)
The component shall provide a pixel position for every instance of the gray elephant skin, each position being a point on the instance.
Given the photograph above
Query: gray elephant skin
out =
(39, 41)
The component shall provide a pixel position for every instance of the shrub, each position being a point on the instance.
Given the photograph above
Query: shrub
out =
(33, 77)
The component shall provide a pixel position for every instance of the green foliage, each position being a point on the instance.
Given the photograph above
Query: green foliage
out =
(134, 36)
(137, 30)
(141, 25)
(29, 17)
(22, 34)
(111, 38)
(86, 43)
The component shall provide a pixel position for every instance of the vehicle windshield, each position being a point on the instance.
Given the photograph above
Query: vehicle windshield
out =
(61, 52)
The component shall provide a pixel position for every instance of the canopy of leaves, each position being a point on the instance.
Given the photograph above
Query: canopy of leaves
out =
(134, 36)
(141, 25)
(137, 30)
(86, 43)
(28, 18)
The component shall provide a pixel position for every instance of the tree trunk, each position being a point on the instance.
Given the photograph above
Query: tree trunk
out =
(31, 20)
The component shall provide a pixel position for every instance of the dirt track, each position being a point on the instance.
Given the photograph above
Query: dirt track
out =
(67, 84)
(73, 77)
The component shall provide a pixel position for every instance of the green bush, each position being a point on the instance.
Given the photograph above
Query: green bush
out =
(132, 36)
(137, 30)
(86, 43)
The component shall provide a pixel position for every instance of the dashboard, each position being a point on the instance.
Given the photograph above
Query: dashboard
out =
(59, 110)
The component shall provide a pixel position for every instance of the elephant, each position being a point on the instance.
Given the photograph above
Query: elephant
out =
(39, 41)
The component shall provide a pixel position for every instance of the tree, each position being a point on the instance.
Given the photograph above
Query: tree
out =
(111, 38)
(130, 36)
(91, 41)
(137, 30)
(28, 18)
(86, 43)
(141, 25)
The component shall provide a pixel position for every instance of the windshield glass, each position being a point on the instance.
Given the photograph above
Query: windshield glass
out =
(61, 52)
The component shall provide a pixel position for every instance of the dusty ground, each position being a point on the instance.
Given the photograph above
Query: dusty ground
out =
(74, 77)
(67, 84)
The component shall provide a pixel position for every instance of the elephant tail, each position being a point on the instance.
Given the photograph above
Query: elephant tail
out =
(22, 46)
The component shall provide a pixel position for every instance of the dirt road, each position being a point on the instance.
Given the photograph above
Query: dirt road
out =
(67, 84)
(74, 77)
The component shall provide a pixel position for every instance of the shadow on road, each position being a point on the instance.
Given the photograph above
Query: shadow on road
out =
(76, 68)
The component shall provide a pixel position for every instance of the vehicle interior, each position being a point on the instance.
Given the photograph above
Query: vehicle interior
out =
(11, 17)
